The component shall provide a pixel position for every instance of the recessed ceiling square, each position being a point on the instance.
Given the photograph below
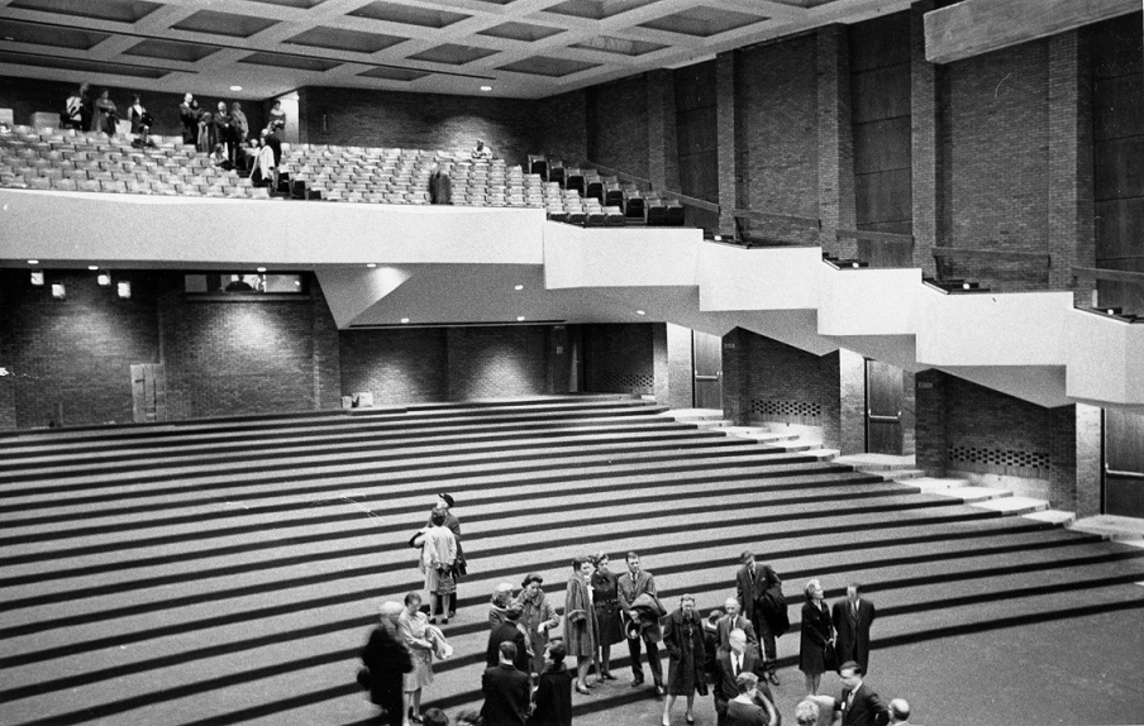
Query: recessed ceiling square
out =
(394, 13)
(303, 4)
(216, 23)
(452, 54)
(341, 39)
(703, 21)
(294, 62)
(171, 50)
(597, 9)
(619, 46)
(540, 65)
(53, 36)
(123, 11)
(395, 74)
(521, 31)
(81, 64)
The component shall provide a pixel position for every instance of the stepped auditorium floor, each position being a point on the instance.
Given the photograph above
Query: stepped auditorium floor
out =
(228, 571)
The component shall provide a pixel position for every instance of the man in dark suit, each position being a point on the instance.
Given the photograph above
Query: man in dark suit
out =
(509, 632)
(852, 620)
(631, 585)
(740, 657)
(752, 582)
(859, 705)
(507, 691)
(734, 620)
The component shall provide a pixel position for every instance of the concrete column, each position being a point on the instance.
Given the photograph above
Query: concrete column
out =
(725, 110)
(925, 176)
(736, 377)
(852, 400)
(1062, 457)
(1072, 234)
(680, 367)
(1089, 446)
(836, 202)
(660, 366)
(929, 426)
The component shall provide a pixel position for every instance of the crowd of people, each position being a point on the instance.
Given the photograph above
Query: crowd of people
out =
(729, 654)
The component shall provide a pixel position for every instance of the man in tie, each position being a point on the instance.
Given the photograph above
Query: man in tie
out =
(734, 620)
(852, 620)
(752, 582)
(631, 585)
(859, 705)
(741, 657)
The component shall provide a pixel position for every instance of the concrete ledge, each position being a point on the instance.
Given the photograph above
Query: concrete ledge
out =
(1110, 526)
(1013, 505)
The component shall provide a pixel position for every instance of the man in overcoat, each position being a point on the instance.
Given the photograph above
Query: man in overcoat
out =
(387, 660)
(852, 620)
(632, 584)
(507, 691)
(752, 582)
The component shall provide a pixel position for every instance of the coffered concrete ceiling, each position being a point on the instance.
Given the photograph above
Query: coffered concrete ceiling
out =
(520, 48)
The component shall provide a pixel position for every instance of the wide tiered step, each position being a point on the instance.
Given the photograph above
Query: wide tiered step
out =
(227, 572)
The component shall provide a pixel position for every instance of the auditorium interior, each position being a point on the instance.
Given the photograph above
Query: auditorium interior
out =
(857, 285)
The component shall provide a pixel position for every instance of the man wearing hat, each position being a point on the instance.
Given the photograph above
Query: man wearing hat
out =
(510, 631)
(859, 705)
(445, 501)
(752, 583)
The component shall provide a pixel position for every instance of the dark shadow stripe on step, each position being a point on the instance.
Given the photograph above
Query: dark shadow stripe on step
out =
(231, 512)
(359, 624)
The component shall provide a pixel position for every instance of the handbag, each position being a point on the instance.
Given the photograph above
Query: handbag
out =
(830, 656)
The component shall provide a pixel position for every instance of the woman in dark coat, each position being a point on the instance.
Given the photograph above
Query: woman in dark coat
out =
(607, 604)
(554, 692)
(683, 636)
(816, 632)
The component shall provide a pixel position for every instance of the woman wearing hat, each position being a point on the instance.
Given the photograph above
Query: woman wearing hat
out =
(580, 620)
(683, 636)
(607, 604)
(438, 555)
(538, 617)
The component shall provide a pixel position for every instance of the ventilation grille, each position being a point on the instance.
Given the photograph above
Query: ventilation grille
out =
(799, 412)
(628, 383)
(1030, 464)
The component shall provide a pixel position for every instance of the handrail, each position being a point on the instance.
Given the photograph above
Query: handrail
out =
(1096, 273)
(750, 213)
(667, 193)
(692, 201)
(977, 252)
(870, 236)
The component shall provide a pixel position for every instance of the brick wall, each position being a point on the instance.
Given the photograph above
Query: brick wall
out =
(999, 136)
(73, 356)
(497, 362)
(562, 126)
(26, 96)
(619, 358)
(417, 120)
(765, 380)
(397, 366)
(617, 123)
(777, 91)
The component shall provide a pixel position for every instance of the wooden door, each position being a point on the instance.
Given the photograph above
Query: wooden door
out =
(1123, 463)
(884, 396)
(707, 363)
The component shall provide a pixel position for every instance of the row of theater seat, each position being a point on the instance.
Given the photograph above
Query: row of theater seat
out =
(94, 162)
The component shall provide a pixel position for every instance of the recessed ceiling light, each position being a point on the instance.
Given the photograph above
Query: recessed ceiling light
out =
(486, 88)
(236, 88)
(33, 262)
(519, 287)
(371, 265)
(405, 320)
(93, 268)
(520, 318)
(261, 269)
(641, 312)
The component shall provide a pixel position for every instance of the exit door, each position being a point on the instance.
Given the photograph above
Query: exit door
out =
(884, 395)
(707, 363)
(1123, 463)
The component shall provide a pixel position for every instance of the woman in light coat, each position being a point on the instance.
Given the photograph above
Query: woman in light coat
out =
(580, 620)
(438, 555)
(538, 617)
